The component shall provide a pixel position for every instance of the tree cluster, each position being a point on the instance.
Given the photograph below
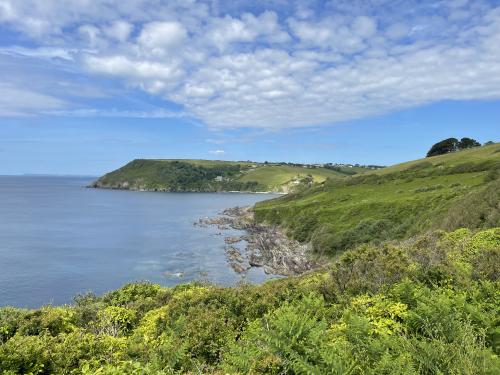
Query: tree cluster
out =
(451, 145)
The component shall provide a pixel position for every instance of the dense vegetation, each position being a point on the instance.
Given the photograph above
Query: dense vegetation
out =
(451, 145)
(206, 175)
(430, 305)
(447, 192)
(177, 176)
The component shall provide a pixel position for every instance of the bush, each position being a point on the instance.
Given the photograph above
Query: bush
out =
(289, 340)
(426, 305)
(480, 209)
(325, 241)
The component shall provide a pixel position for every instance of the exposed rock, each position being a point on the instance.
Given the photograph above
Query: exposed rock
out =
(267, 246)
(236, 260)
(232, 239)
(233, 254)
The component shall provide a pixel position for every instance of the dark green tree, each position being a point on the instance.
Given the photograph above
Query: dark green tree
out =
(468, 143)
(443, 147)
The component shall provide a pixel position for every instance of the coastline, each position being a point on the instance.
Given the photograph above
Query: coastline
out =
(184, 191)
(266, 246)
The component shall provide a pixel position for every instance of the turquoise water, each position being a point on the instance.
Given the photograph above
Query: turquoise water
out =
(58, 238)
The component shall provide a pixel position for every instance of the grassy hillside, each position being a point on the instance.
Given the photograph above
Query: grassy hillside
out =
(426, 306)
(213, 175)
(276, 177)
(447, 191)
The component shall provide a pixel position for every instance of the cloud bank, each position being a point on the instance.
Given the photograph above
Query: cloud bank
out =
(269, 65)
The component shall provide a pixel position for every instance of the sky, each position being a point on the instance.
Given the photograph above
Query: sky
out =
(88, 85)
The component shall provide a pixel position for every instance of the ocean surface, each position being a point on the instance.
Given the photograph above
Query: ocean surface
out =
(59, 238)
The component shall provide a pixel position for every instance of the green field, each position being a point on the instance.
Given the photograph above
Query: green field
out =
(394, 202)
(216, 175)
(277, 176)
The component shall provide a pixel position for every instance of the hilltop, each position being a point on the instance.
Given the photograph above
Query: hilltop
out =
(449, 191)
(216, 175)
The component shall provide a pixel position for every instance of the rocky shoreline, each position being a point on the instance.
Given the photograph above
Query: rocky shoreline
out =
(267, 247)
(96, 185)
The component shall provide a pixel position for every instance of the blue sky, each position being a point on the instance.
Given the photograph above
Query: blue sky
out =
(89, 85)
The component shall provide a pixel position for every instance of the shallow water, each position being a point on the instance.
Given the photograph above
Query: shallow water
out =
(58, 238)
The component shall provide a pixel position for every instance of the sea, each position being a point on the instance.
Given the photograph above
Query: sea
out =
(59, 239)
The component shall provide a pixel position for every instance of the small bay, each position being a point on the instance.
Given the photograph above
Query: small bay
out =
(59, 238)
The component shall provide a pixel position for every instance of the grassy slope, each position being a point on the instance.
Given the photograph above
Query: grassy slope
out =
(393, 202)
(171, 174)
(275, 176)
(473, 155)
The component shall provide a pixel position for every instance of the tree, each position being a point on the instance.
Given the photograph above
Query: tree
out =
(443, 147)
(468, 143)
(489, 143)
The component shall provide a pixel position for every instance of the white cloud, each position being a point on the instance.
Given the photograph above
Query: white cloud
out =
(42, 52)
(91, 34)
(267, 26)
(222, 32)
(119, 30)
(229, 30)
(364, 26)
(217, 152)
(334, 34)
(17, 102)
(311, 33)
(162, 35)
(151, 75)
(397, 30)
(6, 11)
(215, 141)
(271, 69)
(117, 113)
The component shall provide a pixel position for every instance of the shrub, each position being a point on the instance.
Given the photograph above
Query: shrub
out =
(115, 321)
(480, 209)
(325, 241)
(289, 340)
(26, 355)
(10, 319)
(51, 320)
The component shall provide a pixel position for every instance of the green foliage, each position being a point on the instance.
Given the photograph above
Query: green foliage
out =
(115, 320)
(124, 368)
(452, 144)
(205, 175)
(468, 143)
(427, 305)
(448, 192)
(443, 147)
(479, 208)
(291, 340)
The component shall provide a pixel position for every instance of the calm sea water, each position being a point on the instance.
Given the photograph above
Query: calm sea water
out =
(58, 238)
